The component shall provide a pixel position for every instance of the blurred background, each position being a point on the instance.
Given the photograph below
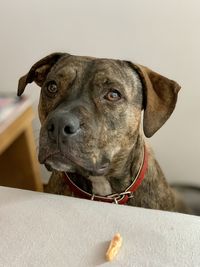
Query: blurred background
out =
(163, 35)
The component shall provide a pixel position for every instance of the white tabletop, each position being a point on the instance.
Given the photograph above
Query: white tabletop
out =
(39, 229)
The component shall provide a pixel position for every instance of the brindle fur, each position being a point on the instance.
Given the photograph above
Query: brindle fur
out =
(109, 131)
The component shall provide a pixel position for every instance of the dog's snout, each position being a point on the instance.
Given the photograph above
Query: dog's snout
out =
(62, 126)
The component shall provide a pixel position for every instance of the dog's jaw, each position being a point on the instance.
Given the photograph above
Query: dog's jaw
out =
(100, 184)
(59, 166)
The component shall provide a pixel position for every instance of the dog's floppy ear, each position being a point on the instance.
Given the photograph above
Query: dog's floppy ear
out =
(160, 96)
(38, 71)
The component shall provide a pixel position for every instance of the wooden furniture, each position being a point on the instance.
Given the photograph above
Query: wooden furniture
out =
(18, 161)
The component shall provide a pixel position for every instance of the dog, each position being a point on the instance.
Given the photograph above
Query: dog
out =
(95, 114)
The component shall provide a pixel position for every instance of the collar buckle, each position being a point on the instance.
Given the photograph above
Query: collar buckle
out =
(118, 196)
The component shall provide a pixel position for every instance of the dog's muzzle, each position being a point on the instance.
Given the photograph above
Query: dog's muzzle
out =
(62, 125)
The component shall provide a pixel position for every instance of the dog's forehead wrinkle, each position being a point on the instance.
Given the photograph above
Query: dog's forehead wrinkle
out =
(75, 60)
(80, 68)
(109, 68)
(86, 68)
(97, 67)
(71, 64)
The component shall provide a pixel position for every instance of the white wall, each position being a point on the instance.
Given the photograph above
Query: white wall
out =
(164, 35)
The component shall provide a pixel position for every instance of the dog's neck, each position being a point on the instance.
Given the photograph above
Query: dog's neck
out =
(126, 168)
(100, 185)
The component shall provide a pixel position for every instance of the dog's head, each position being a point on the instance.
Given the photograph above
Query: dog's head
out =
(90, 109)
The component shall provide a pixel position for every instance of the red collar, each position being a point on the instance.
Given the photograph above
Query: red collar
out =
(118, 198)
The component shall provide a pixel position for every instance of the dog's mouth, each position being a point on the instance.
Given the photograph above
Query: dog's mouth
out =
(67, 163)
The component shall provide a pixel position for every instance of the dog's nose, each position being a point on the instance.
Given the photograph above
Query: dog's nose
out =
(62, 126)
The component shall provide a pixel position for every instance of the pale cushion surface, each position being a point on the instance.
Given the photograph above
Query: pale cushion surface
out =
(39, 229)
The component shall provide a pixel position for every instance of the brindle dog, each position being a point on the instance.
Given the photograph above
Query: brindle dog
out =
(90, 111)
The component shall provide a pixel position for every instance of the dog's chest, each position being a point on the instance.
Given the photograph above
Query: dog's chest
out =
(100, 185)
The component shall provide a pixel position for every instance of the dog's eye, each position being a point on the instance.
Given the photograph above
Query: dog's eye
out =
(52, 88)
(113, 95)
